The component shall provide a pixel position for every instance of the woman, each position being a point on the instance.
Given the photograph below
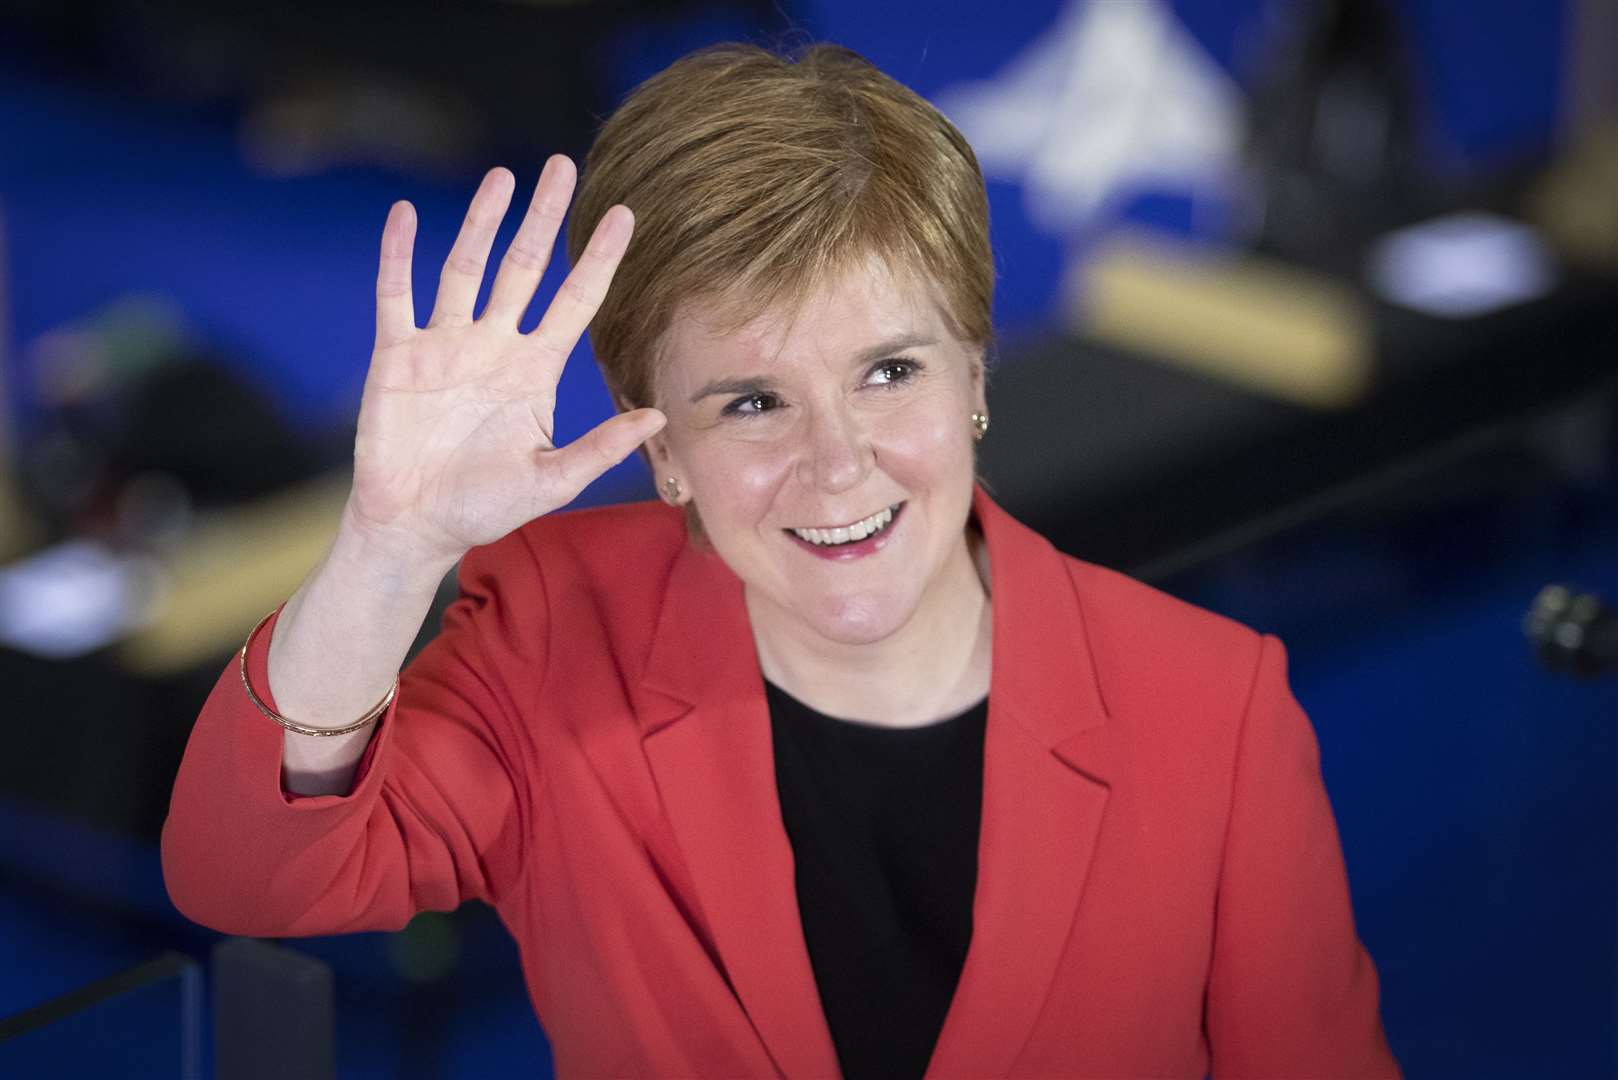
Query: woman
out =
(829, 765)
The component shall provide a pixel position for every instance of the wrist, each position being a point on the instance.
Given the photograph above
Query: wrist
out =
(390, 559)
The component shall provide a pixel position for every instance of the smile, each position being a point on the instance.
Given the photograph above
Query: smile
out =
(863, 529)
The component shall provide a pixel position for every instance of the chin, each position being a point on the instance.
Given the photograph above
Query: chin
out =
(860, 619)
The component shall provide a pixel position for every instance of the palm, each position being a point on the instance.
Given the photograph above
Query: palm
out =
(454, 446)
(451, 432)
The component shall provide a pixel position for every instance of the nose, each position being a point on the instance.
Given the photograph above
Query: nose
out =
(837, 452)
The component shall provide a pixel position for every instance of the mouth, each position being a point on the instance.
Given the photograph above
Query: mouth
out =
(856, 538)
(852, 533)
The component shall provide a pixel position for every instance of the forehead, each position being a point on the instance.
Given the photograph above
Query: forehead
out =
(846, 314)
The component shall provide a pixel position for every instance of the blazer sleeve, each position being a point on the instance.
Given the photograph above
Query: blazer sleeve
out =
(1292, 991)
(363, 767)
(431, 821)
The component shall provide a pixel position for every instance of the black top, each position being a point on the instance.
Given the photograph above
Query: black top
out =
(884, 830)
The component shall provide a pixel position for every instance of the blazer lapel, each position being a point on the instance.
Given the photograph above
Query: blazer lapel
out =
(1044, 792)
(706, 733)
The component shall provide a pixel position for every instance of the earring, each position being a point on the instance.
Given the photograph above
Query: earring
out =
(672, 491)
(980, 421)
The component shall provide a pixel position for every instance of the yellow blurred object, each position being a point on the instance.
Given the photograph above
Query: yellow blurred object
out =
(18, 532)
(1576, 201)
(1265, 326)
(235, 567)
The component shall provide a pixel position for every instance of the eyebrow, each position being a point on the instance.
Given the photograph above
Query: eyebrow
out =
(737, 387)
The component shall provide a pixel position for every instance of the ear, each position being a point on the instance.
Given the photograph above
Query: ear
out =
(980, 382)
(657, 450)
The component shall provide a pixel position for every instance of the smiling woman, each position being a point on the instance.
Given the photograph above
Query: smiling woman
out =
(827, 767)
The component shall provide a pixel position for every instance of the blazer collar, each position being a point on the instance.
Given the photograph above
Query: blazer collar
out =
(706, 732)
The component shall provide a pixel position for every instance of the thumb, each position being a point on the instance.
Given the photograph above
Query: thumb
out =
(576, 466)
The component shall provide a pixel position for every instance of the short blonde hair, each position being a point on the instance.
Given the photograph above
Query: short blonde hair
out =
(755, 177)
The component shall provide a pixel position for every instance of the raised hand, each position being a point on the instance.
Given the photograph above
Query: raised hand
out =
(455, 446)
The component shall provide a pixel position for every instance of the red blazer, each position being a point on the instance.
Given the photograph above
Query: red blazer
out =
(586, 747)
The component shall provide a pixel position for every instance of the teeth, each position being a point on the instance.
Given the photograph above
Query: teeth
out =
(858, 531)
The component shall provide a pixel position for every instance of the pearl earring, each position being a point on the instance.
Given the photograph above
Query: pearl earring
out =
(980, 421)
(672, 491)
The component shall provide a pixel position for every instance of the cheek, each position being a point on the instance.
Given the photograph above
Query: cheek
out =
(738, 480)
(929, 442)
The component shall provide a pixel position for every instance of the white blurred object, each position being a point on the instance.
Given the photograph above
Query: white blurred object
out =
(72, 599)
(1462, 265)
(1117, 97)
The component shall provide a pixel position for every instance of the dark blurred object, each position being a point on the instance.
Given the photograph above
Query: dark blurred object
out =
(141, 428)
(1333, 143)
(93, 743)
(327, 121)
(142, 1022)
(1129, 459)
(426, 87)
(1574, 633)
(142, 425)
(274, 1013)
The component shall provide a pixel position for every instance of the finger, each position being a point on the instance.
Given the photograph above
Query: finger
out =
(586, 285)
(463, 270)
(395, 309)
(577, 465)
(530, 251)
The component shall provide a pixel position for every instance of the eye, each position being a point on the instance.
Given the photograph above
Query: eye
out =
(751, 405)
(894, 371)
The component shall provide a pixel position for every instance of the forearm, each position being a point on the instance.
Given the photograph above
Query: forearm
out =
(336, 649)
(240, 856)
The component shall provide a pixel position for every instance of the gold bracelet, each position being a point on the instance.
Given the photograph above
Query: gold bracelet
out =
(369, 718)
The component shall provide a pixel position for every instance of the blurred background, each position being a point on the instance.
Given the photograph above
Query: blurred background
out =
(1308, 314)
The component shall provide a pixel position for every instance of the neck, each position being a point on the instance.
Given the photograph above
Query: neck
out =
(933, 667)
